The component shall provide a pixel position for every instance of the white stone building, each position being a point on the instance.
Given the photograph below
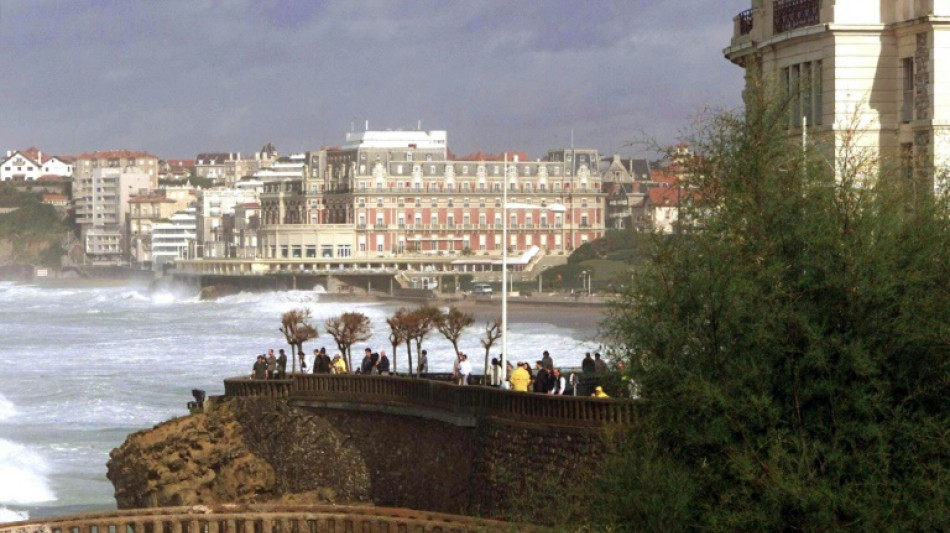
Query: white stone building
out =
(879, 68)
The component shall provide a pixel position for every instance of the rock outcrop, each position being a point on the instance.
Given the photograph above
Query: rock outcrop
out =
(242, 451)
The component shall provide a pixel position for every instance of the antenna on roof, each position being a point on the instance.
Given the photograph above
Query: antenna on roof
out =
(367, 126)
(419, 127)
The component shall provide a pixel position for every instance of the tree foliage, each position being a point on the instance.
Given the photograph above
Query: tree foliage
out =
(792, 350)
(348, 329)
(297, 329)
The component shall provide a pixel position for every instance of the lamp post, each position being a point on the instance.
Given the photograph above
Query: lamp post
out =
(504, 264)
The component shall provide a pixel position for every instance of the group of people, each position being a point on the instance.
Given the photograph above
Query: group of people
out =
(544, 379)
(269, 366)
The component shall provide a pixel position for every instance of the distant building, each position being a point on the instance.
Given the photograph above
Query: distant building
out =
(389, 193)
(874, 67)
(213, 207)
(102, 211)
(31, 165)
(173, 239)
(227, 168)
(151, 208)
(624, 184)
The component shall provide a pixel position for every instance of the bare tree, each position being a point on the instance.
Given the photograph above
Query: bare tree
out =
(297, 329)
(425, 318)
(401, 326)
(492, 334)
(397, 335)
(347, 330)
(451, 324)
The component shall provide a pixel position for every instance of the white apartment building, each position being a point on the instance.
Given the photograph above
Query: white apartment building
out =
(880, 68)
(102, 210)
(174, 239)
(212, 206)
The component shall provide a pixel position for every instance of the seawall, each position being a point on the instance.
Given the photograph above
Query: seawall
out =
(272, 450)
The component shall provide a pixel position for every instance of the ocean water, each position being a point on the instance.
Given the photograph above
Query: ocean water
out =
(85, 366)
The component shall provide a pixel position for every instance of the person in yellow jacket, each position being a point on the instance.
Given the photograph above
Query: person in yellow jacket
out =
(520, 379)
(599, 392)
(339, 365)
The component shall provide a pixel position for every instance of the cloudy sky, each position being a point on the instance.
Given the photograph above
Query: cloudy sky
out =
(180, 77)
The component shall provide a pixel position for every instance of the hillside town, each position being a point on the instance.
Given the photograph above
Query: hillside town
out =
(381, 197)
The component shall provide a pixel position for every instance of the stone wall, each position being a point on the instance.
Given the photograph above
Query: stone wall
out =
(259, 450)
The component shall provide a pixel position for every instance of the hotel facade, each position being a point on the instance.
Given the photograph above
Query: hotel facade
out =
(386, 194)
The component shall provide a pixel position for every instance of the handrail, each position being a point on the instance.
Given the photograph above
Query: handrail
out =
(793, 14)
(746, 20)
(261, 518)
(474, 401)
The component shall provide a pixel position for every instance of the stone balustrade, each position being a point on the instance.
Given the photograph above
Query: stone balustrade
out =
(471, 401)
(261, 519)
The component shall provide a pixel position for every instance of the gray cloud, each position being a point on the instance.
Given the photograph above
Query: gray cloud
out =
(181, 77)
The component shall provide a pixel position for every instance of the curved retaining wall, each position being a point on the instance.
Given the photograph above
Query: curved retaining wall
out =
(458, 402)
(260, 519)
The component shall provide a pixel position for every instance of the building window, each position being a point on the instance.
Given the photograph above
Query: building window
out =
(804, 91)
(907, 89)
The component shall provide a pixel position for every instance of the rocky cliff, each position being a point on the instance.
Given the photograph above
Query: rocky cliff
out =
(261, 450)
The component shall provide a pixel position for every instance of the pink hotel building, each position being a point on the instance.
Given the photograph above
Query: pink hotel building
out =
(397, 195)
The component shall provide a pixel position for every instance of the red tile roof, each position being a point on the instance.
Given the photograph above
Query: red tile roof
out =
(114, 154)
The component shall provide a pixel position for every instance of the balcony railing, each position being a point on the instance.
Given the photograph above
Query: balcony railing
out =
(745, 22)
(793, 14)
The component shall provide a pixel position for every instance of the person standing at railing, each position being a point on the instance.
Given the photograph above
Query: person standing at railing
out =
(282, 365)
(339, 365)
(259, 371)
(366, 366)
(422, 366)
(271, 364)
(303, 362)
(383, 364)
(465, 369)
(494, 373)
(547, 362)
(520, 379)
(560, 383)
(321, 361)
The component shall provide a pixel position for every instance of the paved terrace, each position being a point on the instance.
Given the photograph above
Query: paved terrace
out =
(438, 400)
(262, 519)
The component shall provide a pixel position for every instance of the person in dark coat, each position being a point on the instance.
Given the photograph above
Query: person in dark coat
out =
(547, 362)
(540, 379)
(366, 367)
(587, 366)
(281, 365)
(259, 370)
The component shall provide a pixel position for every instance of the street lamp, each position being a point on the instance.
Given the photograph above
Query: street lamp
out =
(504, 263)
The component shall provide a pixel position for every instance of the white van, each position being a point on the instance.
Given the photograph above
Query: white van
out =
(481, 289)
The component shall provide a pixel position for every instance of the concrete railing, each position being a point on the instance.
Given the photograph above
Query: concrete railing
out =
(470, 401)
(260, 519)
(261, 388)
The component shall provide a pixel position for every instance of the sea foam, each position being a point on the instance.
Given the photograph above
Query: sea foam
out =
(23, 475)
(8, 515)
(7, 409)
